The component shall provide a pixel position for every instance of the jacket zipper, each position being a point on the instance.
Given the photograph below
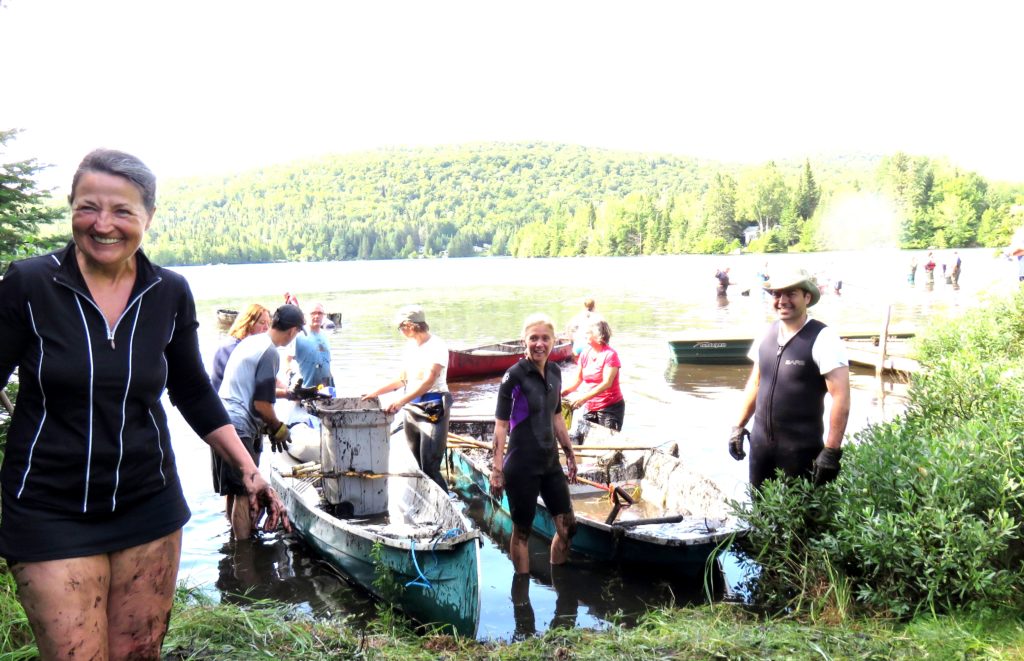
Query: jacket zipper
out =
(771, 393)
(110, 331)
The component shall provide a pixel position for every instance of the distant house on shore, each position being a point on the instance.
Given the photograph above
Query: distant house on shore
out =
(750, 232)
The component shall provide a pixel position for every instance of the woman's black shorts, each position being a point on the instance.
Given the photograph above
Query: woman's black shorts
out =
(524, 483)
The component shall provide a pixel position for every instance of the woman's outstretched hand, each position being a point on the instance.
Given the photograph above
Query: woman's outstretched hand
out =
(263, 497)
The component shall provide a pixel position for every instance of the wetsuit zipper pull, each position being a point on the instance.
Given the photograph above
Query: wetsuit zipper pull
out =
(111, 338)
(779, 352)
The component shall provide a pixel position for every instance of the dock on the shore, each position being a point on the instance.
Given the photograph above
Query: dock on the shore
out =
(891, 356)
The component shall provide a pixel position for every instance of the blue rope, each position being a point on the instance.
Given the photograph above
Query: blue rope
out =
(421, 580)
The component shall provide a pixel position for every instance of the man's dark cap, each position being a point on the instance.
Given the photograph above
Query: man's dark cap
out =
(287, 317)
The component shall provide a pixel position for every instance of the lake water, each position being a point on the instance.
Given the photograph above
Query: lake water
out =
(647, 301)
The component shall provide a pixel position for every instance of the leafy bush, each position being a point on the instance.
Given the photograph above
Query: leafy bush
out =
(927, 511)
(931, 522)
(789, 521)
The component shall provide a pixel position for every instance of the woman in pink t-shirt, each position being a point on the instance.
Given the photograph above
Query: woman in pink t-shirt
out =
(598, 369)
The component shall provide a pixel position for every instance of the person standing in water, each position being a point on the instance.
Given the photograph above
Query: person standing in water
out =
(528, 420)
(722, 276)
(310, 355)
(427, 402)
(599, 369)
(577, 328)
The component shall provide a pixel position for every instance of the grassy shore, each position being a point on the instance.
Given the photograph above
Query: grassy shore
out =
(712, 632)
(202, 629)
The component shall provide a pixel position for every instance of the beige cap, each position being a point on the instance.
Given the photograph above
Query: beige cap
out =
(412, 313)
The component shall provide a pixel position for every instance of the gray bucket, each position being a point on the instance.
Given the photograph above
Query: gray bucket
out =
(354, 438)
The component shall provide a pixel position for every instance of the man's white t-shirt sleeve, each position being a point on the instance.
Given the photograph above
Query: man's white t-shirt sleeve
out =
(828, 351)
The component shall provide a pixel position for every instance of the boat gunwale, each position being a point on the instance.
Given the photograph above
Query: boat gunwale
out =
(637, 533)
(513, 346)
(305, 491)
(647, 533)
(749, 339)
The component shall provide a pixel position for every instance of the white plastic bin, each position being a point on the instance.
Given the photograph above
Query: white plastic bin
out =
(354, 437)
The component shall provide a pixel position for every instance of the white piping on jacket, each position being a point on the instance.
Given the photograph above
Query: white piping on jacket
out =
(124, 405)
(92, 371)
(163, 389)
(42, 391)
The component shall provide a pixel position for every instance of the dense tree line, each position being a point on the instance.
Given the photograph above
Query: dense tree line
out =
(537, 200)
(534, 200)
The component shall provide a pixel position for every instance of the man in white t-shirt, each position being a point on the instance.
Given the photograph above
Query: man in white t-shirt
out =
(426, 401)
(797, 362)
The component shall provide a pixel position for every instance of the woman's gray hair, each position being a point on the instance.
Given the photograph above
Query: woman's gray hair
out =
(538, 318)
(119, 164)
(604, 331)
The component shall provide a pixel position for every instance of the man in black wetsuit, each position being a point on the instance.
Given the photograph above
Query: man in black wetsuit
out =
(795, 364)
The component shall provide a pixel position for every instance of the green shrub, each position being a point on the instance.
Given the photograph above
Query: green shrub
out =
(926, 512)
(931, 522)
(790, 521)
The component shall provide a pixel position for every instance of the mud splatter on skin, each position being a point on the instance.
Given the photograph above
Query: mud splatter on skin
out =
(145, 602)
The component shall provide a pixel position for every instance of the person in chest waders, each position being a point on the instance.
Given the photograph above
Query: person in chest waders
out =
(528, 418)
(797, 362)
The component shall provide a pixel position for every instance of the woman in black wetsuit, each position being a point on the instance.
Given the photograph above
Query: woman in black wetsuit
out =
(528, 417)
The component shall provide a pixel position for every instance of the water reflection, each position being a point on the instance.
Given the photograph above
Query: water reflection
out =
(706, 380)
(283, 569)
(567, 599)
(522, 609)
(601, 591)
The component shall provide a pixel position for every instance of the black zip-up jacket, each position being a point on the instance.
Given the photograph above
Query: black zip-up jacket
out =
(89, 433)
(791, 394)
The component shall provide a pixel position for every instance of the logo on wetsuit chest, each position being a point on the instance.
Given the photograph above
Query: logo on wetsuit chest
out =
(798, 362)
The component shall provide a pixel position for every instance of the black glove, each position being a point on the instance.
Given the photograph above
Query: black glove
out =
(736, 443)
(280, 439)
(298, 392)
(826, 466)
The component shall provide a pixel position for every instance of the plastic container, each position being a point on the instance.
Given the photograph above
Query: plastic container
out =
(354, 437)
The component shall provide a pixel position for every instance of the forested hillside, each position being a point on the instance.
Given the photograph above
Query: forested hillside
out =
(557, 200)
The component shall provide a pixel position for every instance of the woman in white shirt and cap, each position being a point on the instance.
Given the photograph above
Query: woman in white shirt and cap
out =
(426, 401)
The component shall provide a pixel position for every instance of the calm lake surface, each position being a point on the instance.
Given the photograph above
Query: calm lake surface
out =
(647, 301)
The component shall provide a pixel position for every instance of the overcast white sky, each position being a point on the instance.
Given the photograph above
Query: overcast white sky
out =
(212, 86)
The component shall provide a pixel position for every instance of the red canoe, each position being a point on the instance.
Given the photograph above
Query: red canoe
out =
(493, 359)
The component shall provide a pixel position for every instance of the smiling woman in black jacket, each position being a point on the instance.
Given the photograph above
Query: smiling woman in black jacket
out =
(91, 501)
